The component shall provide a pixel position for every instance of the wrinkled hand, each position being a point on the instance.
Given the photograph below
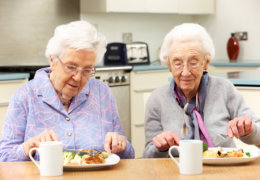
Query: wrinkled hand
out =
(114, 142)
(47, 135)
(240, 126)
(165, 140)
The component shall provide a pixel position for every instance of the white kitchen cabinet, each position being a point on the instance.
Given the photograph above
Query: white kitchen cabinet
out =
(252, 98)
(7, 89)
(196, 6)
(133, 6)
(149, 6)
(142, 84)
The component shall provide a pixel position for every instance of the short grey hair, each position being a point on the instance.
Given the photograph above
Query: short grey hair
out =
(187, 31)
(78, 35)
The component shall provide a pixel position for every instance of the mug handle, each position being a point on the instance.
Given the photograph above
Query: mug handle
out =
(170, 154)
(33, 160)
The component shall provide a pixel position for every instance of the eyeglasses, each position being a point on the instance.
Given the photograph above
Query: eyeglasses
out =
(72, 69)
(192, 64)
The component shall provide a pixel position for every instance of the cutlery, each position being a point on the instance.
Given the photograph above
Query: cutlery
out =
(224, 135)
(81, 152)
(184, 129)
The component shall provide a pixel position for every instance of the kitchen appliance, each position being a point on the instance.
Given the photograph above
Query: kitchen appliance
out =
(127, 54)
(137, 53)
(118, 79)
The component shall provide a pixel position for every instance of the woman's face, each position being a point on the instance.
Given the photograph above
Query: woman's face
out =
(66, 83)
(186, 63)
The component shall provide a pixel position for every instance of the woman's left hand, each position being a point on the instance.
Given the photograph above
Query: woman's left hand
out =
(114, 142)
(240, 126)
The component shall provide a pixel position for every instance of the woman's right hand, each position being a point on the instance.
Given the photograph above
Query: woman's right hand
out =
(165, 140)
(47, 135)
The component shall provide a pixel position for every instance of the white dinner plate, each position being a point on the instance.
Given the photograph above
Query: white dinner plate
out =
(111, 160)
(234, 160)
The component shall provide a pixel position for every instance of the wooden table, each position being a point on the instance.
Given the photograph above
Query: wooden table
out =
(134, 169)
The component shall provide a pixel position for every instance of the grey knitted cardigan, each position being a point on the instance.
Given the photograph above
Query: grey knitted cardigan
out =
(223, 103)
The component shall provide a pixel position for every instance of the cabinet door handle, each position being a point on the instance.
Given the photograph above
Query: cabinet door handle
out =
(4, 104)
(140, 124)
(144, 90)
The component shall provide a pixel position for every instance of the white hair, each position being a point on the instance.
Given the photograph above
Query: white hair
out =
(78, 35)
(187, 31)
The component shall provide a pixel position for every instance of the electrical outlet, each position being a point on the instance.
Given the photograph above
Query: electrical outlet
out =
(241, 36)
(127, 37)
(244, 36)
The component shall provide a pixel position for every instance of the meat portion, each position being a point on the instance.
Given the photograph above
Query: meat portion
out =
(94, 160)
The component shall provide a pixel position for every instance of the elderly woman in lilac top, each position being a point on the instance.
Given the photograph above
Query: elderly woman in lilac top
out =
(63, 103)
(195, 105)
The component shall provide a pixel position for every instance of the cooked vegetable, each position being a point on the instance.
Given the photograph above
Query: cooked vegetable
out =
(77, 160)
(248, 154)
(103, 154)
(239, 153)
(220, 153)
(210, 154)
(205, 147)
(84, 156)
(67, 157)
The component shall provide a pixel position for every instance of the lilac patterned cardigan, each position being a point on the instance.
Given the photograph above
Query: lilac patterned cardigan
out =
(36, 107)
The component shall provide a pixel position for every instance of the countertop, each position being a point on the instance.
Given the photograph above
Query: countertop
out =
(13, 76)
(157, 66)
(149, 67)
(243, 78)
(235, 64)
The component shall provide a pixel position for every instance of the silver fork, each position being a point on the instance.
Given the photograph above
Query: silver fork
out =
(184, 129)
(224, 135)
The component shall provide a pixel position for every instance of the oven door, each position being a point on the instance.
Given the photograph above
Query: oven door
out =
(122, 97)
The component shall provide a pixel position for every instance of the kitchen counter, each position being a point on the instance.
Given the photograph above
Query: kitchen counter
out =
(243, 78)
(13, 76)
(149, 67)
(214, 63)
(235, 64)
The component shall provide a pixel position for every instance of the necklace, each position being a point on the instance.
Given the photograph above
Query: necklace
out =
(66, 103)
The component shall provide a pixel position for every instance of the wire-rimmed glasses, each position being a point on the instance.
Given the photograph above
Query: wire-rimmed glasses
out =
(72, 69)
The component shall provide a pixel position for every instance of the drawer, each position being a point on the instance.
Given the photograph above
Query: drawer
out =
(149, 80)
(8, 88)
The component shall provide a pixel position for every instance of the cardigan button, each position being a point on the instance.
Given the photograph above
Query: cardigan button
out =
(67, 118)
(69, 134)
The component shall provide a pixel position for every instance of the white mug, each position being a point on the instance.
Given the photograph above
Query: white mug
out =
(190, 156)
(51, 162)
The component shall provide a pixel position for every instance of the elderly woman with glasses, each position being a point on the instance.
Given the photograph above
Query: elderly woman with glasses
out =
(195, 105)
(63, 103)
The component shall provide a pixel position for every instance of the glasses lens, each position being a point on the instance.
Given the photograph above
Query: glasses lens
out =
(88, 72)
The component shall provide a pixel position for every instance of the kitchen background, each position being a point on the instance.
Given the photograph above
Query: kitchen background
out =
(26, 26)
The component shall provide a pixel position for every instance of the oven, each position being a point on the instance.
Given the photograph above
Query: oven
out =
(118, 79)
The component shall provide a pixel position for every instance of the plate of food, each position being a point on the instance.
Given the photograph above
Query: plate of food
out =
(228, 156)
(88, 159)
